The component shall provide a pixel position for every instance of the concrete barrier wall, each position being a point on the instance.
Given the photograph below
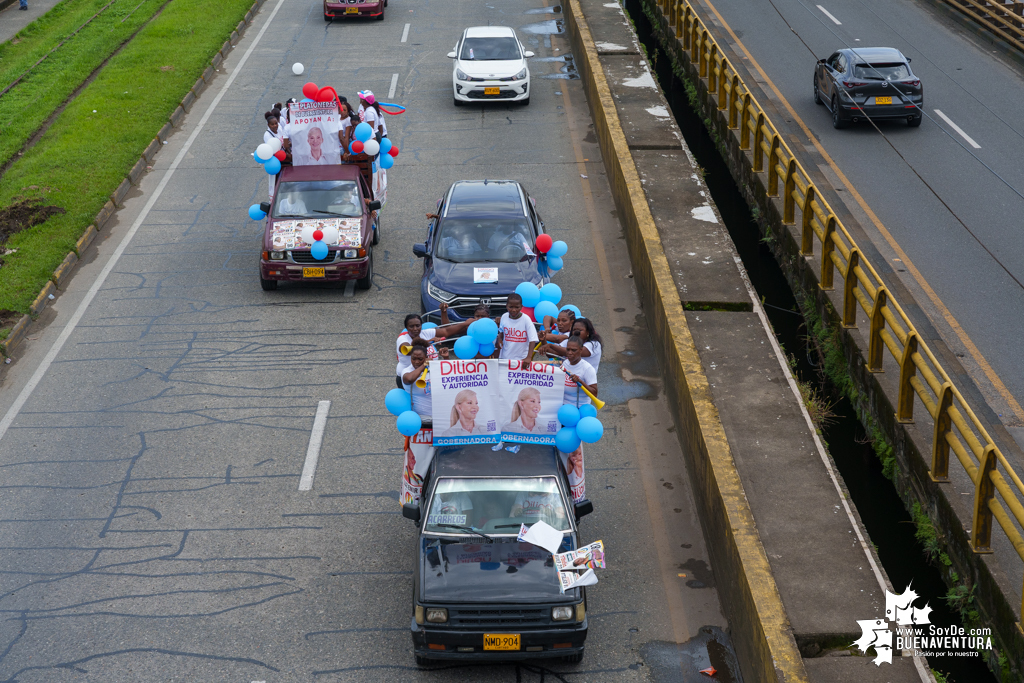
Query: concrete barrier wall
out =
(759, 628)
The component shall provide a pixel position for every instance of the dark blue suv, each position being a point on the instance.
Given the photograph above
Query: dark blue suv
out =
(479, 247)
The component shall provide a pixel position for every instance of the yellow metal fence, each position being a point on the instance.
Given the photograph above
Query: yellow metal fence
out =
(1005, 18)
(957, 428)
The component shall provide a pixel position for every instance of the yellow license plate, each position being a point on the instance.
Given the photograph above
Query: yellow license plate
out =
(351, 10)
(492, 91)
(313, 272)
(501, 641)
(883, 100)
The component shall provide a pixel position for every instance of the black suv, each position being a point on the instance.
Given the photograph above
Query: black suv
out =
(868, 82)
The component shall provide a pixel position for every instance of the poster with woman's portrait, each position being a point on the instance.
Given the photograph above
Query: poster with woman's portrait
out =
(313, 130)
(419, 451)
(530, 396)
(465, 402)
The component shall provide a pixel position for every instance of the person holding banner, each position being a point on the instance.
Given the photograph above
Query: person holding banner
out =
(563, 324)
(584, 329)
(578, 373)
(463, 418)
(516, 331)
(524, 414)
(414, 330)
(421, 402)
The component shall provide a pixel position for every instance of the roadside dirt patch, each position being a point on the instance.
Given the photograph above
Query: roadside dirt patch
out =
(24, 214)
(8, 318)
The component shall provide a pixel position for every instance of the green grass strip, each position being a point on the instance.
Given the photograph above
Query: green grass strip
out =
(28, 104)
(84, 156)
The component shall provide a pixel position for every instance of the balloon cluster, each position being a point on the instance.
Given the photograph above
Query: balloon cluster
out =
(555, 252)
(399, 404)
(579, 425)
(270, 155)
(364, 143)
(480, 338)
(318, 239)
(540, 301)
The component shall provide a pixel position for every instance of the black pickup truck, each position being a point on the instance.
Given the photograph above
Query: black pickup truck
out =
(479, 593)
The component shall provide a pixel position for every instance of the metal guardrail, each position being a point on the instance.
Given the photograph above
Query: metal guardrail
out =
(998, 490)
(1005, 18)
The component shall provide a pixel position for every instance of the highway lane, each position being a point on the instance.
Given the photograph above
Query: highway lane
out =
(151, 526)
(963, 241)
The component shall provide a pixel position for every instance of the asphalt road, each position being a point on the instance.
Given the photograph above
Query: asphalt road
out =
(151, 526)
(953, 208)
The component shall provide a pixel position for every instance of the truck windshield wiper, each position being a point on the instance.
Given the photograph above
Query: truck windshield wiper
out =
(466, 528)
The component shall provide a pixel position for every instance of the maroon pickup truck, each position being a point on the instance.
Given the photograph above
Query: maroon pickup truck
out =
(330, 197)
(354, 8)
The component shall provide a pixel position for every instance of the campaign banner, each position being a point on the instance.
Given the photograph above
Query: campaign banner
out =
(419, 451)
(573, 465)
(492, 401)
(313, 130)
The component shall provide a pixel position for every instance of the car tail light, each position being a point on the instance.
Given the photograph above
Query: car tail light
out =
(913, 83)
(854, 84)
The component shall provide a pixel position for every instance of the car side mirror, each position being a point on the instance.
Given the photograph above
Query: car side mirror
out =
(373, 206)
(265, 207)
(581, 508)
(909, 60)
(821, 61)
(420, 250)
(412, 511)
(527, 54)
(452, 55)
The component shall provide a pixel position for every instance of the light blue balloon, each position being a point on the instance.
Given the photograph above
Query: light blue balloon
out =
(466, 348)
(529, 292)
(273, 166)
(555, 264)
(319, 250)
(386, 161)
(589, 429)
(427, 326)
(397, 402)
(568, 415)
(258, 160)
(364, 132)
(551, 292)
(570, 307)
(409, 423)
(558, 249)
(486, 349)
(256, 213)
(587, 410)
(544, 308)
(484, 331)
(566, 440)
(385, 146)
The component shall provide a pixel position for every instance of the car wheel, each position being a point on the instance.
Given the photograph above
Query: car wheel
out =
(381, 17)
(328, 18)
(458, 102)
(366, 282)
(574, 659)
(837, 121)
(817, 95)
(525, 102)
(375, 240)
(914, 121)
(422, 661)
(267, 285)
(385, 3)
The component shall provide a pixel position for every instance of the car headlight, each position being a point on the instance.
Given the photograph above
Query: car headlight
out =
(277, 255)
(581, 612)
(439, 293)
(437, 615)
(561, 613)
(520, 76)
(461, 75)
(351, 253)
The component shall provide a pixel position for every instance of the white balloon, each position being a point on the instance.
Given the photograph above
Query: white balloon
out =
(264, 152)
(307, 234)
(275, 144)
(331, 235)
(371, 147)
(297, 68)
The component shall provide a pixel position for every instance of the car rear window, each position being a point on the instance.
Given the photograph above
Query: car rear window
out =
(489, 49)
(882, 72)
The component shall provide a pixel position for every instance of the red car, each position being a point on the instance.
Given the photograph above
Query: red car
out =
(327, 198)
(354, 8)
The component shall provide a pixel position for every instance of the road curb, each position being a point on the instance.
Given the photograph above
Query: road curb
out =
(65, 270)
(759, 627)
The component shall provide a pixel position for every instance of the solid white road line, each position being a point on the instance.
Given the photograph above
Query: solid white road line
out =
(405, 33)
(394, 84)
(958, 129)
(76, 317)
(316, 439)
(829, 15)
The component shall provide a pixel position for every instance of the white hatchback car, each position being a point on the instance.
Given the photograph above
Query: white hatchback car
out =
(490, 64)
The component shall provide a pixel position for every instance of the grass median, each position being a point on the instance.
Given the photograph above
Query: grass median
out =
(95, 141)
(26, 106)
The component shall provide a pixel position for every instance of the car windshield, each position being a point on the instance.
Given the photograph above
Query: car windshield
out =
(310, 198)
(882, 72)
(498, 240)
(489, 49)
(495, 506)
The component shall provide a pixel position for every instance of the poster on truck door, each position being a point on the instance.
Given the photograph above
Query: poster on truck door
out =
(313, 129)
(419, 451)
(494, 401)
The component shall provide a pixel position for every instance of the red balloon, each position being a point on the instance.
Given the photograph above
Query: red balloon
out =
(318, 235)
(326, 94)
(528, 312)
(544, 243)
(393, 151)
(357, 147)
(280, 154)
(310, 90)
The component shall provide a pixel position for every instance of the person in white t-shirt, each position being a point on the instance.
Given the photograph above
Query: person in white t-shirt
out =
(414, 330)
(557, 329)
(516, 331)
(421, 397)
(578, 372)
(274, 131)
(584, 329)
(369, 113)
